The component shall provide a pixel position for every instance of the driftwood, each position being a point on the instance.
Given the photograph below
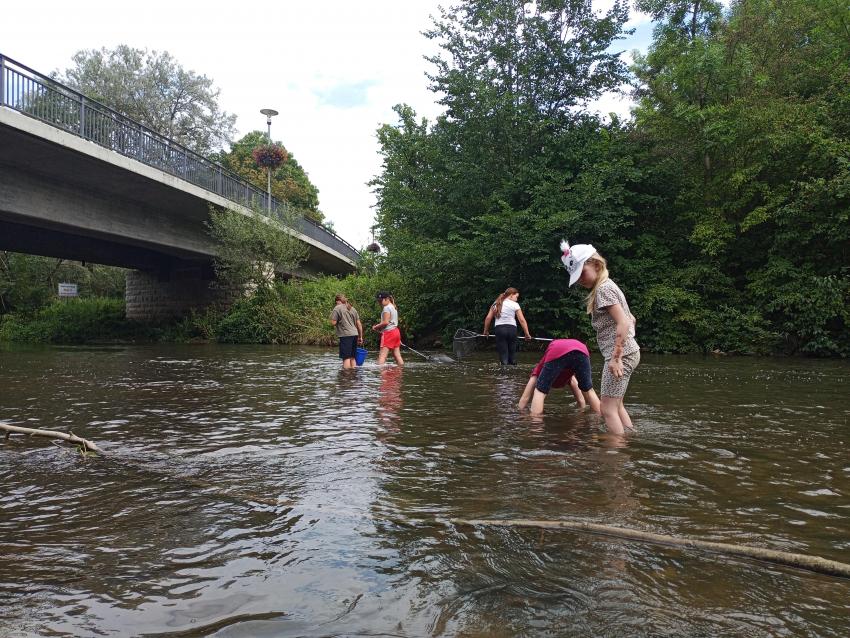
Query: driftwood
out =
(51, 434)
(800, 561)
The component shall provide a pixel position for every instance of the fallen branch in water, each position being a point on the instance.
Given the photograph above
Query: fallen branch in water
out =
(801, 561)
(51, 434)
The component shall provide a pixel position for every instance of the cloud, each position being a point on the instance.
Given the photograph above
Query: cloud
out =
(346, 95)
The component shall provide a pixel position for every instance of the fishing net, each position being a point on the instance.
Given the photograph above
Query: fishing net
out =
(465, 342)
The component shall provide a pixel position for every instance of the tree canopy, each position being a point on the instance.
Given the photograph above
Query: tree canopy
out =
(289, 181)
(722, 205)
(152, 88)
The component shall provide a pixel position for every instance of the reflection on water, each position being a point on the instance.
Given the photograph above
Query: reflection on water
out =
(254, 491)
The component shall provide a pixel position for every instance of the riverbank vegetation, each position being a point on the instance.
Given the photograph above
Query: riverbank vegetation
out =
(722, 205)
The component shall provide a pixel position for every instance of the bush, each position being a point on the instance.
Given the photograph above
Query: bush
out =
(72, 321)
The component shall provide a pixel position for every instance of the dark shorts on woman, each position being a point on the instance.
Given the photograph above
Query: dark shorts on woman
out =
(575, 361)
(347, 347)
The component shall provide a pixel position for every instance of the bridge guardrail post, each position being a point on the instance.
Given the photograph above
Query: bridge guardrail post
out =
(2, 81)
(83, 118)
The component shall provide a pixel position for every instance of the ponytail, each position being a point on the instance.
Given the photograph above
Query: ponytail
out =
(341, 297)
(497, 305)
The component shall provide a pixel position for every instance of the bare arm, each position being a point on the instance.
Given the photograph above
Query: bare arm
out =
(359, 331)
(385, 320)
(576, 391)
(521, 318)
(526, 394)
(487, 321)
(623, 325)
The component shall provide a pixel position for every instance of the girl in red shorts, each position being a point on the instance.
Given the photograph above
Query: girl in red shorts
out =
(388, 327)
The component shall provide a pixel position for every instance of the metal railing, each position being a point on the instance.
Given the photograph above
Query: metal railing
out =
(49, 101)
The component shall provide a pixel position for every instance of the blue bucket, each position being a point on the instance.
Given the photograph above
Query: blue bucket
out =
(360, 356)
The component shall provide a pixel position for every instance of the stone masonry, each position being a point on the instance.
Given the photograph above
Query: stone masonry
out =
(154, 298)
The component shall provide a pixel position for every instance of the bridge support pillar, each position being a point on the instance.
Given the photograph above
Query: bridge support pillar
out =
(156, 297)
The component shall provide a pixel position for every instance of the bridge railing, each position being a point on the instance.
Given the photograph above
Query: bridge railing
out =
(49, 101)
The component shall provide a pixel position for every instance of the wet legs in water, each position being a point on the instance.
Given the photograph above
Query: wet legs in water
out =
(615, 415)
(384, 352)
(506, 344)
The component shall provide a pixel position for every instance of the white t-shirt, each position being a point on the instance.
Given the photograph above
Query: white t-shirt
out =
(508, 315)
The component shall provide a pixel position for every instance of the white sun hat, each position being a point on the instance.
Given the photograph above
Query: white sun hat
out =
(574, 257)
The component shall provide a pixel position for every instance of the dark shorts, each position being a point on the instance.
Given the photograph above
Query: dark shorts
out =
(576, 361)
(347, 347)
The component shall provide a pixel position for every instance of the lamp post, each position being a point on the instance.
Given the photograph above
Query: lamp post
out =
(269, 113)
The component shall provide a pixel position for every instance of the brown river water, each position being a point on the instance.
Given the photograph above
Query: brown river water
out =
(261, 491)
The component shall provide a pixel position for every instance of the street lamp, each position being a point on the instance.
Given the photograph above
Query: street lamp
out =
(269, 113)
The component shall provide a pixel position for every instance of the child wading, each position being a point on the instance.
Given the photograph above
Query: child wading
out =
(615, 329)
(388, 327)
(566, 361)
(346, 323)
(507, 313)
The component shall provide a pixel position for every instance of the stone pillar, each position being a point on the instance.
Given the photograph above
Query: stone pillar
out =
(152, 297)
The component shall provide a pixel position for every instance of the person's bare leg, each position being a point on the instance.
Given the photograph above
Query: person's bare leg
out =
(526, 394)
(397, 355)
(382, 355)
(537, 402)
(611, 413)
(625, 419)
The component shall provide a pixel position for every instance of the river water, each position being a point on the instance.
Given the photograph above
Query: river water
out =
(261, 491)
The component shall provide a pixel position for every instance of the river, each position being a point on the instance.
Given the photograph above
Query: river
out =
(261, 491)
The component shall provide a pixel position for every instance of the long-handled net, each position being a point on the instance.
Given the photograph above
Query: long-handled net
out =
(465, 342)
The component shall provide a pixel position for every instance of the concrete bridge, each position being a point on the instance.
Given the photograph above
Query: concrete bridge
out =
(80, 181)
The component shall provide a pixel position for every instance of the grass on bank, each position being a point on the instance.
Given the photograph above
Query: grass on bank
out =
(287, 313)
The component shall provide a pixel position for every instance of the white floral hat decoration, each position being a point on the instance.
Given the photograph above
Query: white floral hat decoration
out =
(574, 257)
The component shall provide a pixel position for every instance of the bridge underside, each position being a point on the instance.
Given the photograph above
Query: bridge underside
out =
(57, 201)
(88, 203)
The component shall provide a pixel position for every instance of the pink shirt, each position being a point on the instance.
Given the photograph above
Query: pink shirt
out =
(557, 349)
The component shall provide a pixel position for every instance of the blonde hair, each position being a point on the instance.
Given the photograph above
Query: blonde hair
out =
(601, 277)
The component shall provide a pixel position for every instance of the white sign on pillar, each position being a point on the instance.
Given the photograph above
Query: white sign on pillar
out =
(67, 290)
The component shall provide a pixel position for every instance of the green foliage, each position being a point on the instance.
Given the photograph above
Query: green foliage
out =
(722, 207)
(71, 321)
(28, 282)
(297, 311)
(289, 181)
(252, 248)
(152, 88)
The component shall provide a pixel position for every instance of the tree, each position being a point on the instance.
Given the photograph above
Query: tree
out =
(152, 88)
(289, 181)
(479, 199)
(253, 248)
(749, 113)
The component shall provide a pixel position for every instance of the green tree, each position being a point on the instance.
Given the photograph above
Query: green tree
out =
(29, 282)
(152, 88)
(253, 248)
(752, 110)
(478, 200)
(289, 181)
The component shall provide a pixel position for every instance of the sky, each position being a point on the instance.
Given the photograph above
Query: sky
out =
(332, 69)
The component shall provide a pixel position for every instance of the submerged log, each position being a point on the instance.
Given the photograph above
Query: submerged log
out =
(800, 561)
(51, 434)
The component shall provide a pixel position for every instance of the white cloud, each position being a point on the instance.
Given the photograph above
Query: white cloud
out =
(333, 70)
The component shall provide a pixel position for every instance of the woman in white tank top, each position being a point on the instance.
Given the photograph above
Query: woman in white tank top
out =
(506, 311)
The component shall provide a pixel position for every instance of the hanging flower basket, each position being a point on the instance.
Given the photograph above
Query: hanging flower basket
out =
(373, 247)
(270, 156)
